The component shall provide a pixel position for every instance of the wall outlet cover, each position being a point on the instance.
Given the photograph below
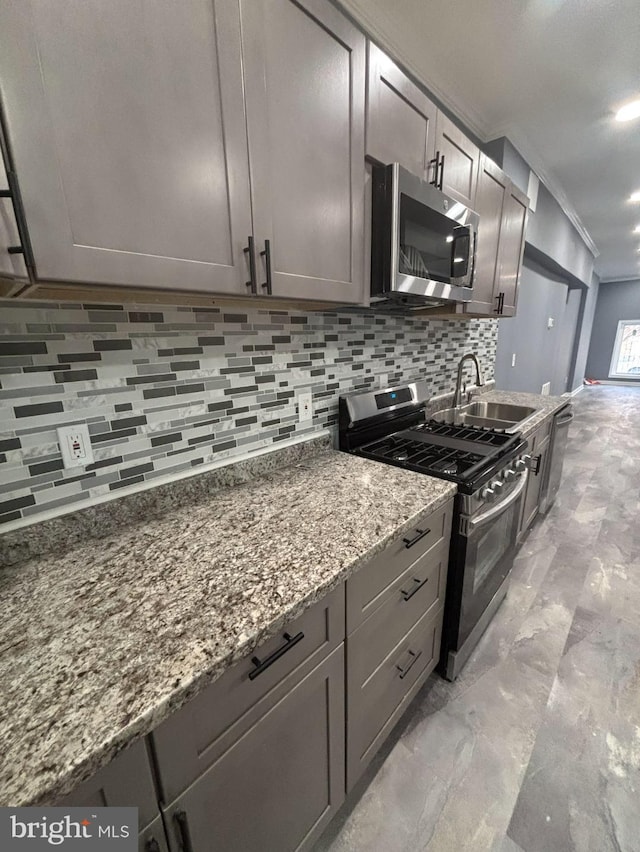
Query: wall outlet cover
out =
(75, 445)
(305, 407)
(546, 389)
(513, 360)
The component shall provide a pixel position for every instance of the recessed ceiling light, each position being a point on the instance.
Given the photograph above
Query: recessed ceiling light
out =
(629, 111)
(635, 196)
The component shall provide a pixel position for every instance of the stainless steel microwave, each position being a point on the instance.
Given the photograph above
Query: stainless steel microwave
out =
(423, 242)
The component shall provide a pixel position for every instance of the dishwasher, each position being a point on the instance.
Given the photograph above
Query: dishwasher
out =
(558, 445)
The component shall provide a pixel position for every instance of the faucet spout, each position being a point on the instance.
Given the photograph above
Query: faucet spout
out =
(470, 356)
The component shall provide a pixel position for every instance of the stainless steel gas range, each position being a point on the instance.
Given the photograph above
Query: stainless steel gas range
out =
(490, 468)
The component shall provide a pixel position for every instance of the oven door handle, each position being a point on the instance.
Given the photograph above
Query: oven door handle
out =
(494, 511)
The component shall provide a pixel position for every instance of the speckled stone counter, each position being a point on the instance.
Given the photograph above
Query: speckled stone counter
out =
(101, 642)
(546, 405)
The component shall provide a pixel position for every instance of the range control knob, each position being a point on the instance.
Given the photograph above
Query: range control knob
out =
(520, 466)
(509, 475)
(488, 495)
(498, 487)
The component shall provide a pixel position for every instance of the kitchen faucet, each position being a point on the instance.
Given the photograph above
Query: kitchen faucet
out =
(460, 387)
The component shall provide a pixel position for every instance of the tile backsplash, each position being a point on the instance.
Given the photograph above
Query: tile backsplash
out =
(165, 390)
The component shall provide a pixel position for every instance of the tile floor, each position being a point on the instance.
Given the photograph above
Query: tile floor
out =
(536, 747)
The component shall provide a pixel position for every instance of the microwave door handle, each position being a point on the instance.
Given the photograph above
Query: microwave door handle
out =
(462, 232)
(494, 511)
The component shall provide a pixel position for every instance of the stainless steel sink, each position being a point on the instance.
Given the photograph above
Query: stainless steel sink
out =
(499, 411)
(494, 415)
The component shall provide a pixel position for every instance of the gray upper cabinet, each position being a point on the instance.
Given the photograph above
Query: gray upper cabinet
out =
(512, 239)
(304, 66)
(502, 208)
(401, 120)
(152, 138)
(11, 265)
(128, 132)
(490, 194)
(460, 166)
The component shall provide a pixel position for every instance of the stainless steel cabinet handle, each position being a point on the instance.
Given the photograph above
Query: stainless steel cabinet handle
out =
(184, 834)
(436, 165)
(250, 250)
(441, 173)
(262, 665)
(406, 596)
(13, 193)
(409, 542)
(267, 262)
(414, 659)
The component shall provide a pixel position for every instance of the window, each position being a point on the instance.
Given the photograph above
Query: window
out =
(625, 363)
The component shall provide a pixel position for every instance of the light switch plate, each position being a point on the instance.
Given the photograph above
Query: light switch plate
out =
(75, 445)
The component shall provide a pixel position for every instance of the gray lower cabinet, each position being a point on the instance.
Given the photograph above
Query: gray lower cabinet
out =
(152, 139)
(394, 626)
(538, 450)
(256, 760)
(125, 782)
(401, 120)
(277, 786)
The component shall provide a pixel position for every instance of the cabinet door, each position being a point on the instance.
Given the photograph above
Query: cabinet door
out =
(304, 86)
(400, 118)
(125, 782)
(460, 170)
(512, 238)
(277, 786)
(490, 194)
(127, 125)
(539, 448)
(11, 265)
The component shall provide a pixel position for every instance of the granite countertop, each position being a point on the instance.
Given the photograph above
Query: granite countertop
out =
(103, 640)
(546, 405)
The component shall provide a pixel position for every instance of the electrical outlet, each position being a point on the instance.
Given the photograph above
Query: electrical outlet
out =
(513, 360)
(305, 407)
(75, 446)
(546, 389)
(551, 322)
(383, 380)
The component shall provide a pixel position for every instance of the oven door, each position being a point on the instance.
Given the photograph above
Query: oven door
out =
(485, 552)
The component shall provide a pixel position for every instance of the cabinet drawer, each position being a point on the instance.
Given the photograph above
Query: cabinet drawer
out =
(188, 742)
(374, 707)
(418, 591)
(126, 782)
(369, 587)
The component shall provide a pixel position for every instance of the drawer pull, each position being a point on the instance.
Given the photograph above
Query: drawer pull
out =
(419, 584)
(262, 665)
(409, 542)
(184, 834)
(414, 659)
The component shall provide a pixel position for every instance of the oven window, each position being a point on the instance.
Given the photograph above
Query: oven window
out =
(426, 243)
(491, 546)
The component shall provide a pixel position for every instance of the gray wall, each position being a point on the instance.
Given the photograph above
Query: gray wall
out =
(617, 300)
(548, 229)
(538, 349)
(590, 297)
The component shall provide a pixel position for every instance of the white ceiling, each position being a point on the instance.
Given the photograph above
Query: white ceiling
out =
(549, 74)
